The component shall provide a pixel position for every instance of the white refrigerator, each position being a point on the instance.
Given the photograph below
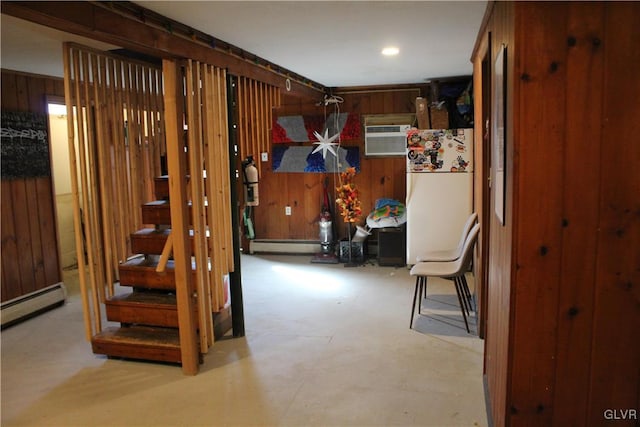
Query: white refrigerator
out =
(439, 188)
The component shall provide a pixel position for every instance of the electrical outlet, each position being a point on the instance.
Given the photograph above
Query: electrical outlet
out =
(287, 210)
(264, 157)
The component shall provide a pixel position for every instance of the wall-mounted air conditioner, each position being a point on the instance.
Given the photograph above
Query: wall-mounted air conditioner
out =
(385, 140)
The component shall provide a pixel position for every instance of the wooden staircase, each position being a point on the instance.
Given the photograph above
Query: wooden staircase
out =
(148, 314)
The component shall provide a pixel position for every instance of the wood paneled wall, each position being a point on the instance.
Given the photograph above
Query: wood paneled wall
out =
(498, 288)
(30, 259)
(563, 300)
(378, 177)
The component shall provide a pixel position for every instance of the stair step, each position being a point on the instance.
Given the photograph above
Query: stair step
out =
(139, 342)
(157, 212)
(161, 186)
(143, 308)
(141, 273)
(149, 241)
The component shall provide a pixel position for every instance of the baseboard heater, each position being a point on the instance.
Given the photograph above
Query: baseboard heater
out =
(284, 246)
(27, 305)
(293, 246)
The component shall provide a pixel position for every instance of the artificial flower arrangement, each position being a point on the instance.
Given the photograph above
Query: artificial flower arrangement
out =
(347, 197)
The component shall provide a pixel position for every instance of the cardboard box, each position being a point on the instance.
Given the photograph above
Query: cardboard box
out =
(422, 113)
(439, 118)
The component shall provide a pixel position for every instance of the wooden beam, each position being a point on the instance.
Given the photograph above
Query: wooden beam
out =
(98, 22)
(176, 163)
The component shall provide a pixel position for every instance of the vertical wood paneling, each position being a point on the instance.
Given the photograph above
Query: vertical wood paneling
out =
(481, 192)
(9, 92)
(256, 100)
(22, 101)
(36, 89)
(378, 177)
(497, 365)
(21, 226)
(30, 259)
(615, 371)
(11, 280)
(296, 196)
(540, 153)
(48, 231)
(37, 260)
(561, 342)
(575, 308)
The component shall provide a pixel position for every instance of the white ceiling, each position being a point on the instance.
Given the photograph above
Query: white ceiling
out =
(36, 49)
(334, 43)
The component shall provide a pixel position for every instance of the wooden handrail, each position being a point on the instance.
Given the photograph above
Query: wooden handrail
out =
(164, 256)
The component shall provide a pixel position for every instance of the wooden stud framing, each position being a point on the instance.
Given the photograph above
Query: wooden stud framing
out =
(196, 166)
(116, 140)
(68, 94)
(176, 163)
(107, 226)
(256, 101)
(107, 166)
(212, 184)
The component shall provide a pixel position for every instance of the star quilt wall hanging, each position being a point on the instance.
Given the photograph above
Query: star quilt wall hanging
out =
(288, 129)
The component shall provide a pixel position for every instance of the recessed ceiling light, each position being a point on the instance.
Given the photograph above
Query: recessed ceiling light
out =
(390, 51)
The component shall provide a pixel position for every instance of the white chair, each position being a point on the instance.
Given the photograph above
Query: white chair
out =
(454, 253)
(448, 270)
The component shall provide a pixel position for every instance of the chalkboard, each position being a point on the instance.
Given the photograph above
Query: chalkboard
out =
(25, 145)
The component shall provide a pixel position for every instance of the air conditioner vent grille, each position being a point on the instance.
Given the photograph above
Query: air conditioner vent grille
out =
(386, 140)
(383, 129)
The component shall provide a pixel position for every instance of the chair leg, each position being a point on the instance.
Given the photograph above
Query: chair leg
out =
(415, 297)
(459, 290)
(467, 292)
(424, 282)
(420, 287)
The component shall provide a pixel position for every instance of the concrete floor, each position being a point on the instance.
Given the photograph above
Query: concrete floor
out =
(325, 345)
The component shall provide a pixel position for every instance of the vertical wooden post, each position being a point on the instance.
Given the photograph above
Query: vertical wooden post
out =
(214, 166)
(176, 164)
(99, 88)
(70, 99)
(194, 117)
(84, 183)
